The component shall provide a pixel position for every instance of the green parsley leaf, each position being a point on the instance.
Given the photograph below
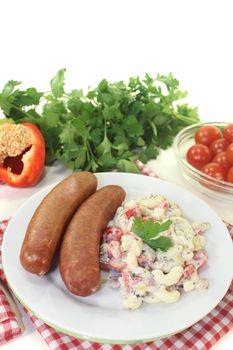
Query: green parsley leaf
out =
(80, 159)
(132, 127)
(57, 83)
(28, 97)
(52, 113)
(163, 243)
(127, 166)
(149, 230)
(104, 146)
(106, 160)
(8, 89)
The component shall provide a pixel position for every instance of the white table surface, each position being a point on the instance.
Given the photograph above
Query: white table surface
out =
(116, 40)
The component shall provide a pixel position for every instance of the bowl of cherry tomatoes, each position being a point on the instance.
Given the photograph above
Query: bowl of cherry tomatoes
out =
(204, 153)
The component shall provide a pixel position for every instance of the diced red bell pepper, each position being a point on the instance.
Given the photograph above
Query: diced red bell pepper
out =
(135, 211)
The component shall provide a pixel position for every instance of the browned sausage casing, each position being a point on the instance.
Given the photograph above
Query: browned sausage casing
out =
(79, 254)
(47, 224)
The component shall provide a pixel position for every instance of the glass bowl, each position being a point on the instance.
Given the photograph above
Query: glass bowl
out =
(208, 186)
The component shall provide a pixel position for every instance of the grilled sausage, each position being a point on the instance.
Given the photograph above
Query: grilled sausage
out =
(79, 254)
(47, 224)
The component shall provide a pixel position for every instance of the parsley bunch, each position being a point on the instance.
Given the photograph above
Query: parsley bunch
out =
(107, 127)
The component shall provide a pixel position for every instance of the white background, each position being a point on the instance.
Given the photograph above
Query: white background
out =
(115, 40)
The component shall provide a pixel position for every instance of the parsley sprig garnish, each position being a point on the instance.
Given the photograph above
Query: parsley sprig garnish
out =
(149, 230)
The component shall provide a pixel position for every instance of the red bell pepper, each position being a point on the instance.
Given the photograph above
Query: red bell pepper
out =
(134, 211)
(22, 154)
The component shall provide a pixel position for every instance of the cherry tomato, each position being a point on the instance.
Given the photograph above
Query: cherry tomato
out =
(230, 175)
(229, 154)
(218, 146)
(214, 169)
(228, 133)
(198, 156)
(221, 159)
(207, 134)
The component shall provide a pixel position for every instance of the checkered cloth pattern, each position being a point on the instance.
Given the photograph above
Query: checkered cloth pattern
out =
(9, 327)
(201, 336)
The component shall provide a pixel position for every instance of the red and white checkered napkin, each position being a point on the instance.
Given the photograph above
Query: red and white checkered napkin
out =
(9, 327)
(201, 336)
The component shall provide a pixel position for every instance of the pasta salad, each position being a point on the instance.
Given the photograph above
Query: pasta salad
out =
(160, 267)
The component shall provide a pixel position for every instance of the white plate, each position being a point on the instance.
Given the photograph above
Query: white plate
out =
(100, 317)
